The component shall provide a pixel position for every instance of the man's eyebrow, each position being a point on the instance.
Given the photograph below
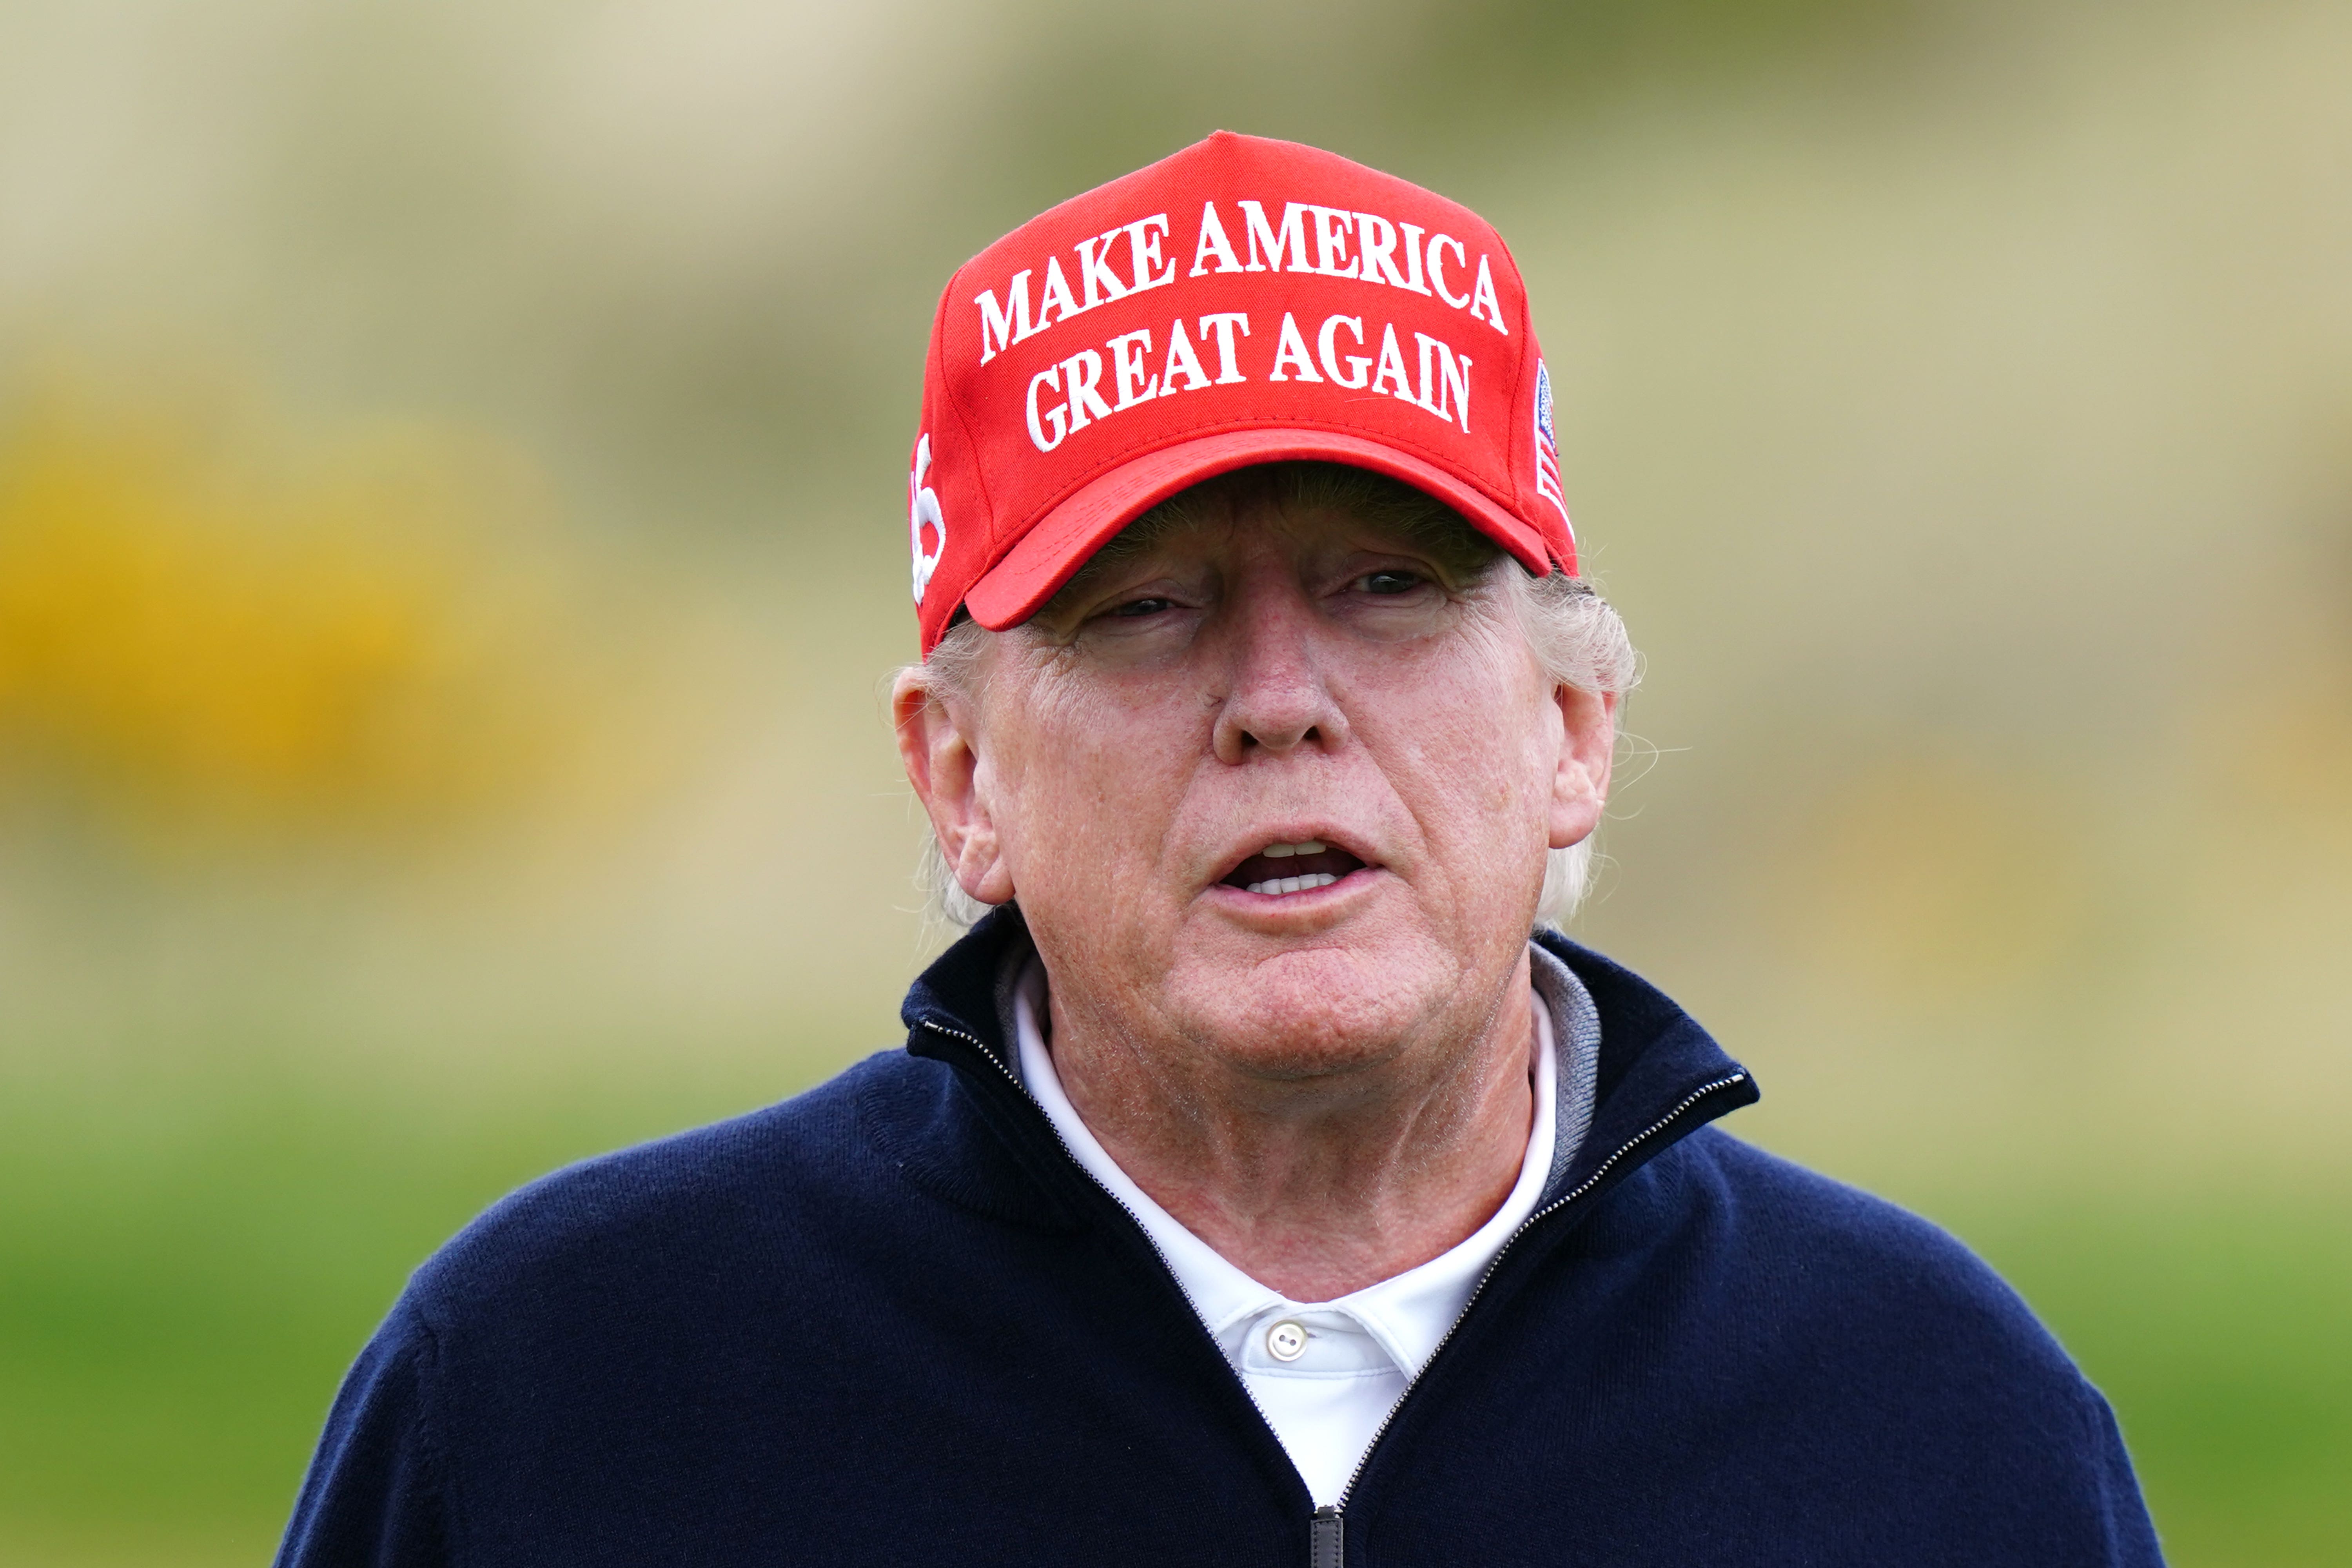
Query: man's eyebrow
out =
(1085, 581)
(1122, 549)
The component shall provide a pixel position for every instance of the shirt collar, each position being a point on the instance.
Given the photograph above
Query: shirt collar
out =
(1408, 1314)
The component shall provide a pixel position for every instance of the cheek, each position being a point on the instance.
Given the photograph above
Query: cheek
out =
(1085, 789)
(1475, 748)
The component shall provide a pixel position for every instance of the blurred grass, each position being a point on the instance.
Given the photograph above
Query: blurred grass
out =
(2216, 1327)
(187, 1265)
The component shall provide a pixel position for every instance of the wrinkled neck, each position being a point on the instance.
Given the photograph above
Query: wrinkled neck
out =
(1318, 1184)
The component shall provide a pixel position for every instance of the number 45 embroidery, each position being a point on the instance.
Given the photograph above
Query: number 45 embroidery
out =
(923, 510)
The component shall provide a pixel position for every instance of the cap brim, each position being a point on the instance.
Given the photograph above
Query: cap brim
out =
(1049, 554)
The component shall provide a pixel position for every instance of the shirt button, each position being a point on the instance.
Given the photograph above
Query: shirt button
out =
(1285, 1340)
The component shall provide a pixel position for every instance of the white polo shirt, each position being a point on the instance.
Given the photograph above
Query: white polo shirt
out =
(1327, 1374)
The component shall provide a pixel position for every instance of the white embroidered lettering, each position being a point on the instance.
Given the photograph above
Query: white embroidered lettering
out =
(1293, 239)
(1331, 226)
(1083, 389)
(1390, 376)
(1358, 365)
(1413, 258)
(1483, 304)
(1057, 296)
(1003, 326)
(1457, 381)
(923, 511)
(1212, 242)
(1375, 239)
(1143, 252)
(1223, 323)
(1094, 275)
(1050, 378)
(1181, 361)
(1438, 242)
(1291, 349)
(1447, 393)
(1128, 375)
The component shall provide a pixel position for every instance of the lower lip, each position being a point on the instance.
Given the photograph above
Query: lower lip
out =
(1246, 902)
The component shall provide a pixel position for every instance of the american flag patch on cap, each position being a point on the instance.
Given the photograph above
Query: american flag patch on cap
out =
(1546, 444)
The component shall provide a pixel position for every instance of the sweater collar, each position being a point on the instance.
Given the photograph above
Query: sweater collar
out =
(1659, 1075)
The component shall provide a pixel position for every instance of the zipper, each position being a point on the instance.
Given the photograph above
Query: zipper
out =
(1327, 1538)
(1337, 1511)
(1327, 1525)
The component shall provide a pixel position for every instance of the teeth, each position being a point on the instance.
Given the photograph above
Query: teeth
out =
(1274, 886)
(1304, 847)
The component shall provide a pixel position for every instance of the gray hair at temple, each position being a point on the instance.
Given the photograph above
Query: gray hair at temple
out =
(1575, 634)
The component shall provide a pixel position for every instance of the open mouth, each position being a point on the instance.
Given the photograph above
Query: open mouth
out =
(1283, 869)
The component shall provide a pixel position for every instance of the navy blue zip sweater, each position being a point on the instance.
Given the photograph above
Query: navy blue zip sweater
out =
(892, 1321)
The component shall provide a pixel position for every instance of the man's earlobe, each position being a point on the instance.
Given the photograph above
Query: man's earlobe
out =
(1587, 742)
(940, 753)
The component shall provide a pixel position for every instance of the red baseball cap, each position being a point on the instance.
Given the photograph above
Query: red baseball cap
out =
(1241, 301)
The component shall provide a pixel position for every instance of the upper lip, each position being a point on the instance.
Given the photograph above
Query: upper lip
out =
(1331, 837)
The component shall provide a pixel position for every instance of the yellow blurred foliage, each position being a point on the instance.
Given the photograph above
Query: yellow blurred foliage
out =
(1935, 878)
(200, 631)
(2291, 760)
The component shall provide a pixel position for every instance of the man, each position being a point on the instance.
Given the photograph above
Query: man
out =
(1253, 1188)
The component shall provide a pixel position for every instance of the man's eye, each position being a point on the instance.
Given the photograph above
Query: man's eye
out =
(1135, 607)
(1391, 583)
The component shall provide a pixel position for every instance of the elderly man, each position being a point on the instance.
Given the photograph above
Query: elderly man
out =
(1253, 1186)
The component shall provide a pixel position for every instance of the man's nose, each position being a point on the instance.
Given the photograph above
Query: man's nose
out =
(1277, 695)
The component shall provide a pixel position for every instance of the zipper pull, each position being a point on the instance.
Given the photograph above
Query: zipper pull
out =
(1326, 1545)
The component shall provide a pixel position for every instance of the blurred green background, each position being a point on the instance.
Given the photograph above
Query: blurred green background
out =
(452, 542)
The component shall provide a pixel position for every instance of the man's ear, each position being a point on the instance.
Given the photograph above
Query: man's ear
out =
(1580, 784)
(941, 751)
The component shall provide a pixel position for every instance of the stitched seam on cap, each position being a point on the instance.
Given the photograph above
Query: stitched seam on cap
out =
(1526, 439)
(963, 420)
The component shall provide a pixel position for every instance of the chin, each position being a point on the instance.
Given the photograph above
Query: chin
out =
(1305, 1015)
